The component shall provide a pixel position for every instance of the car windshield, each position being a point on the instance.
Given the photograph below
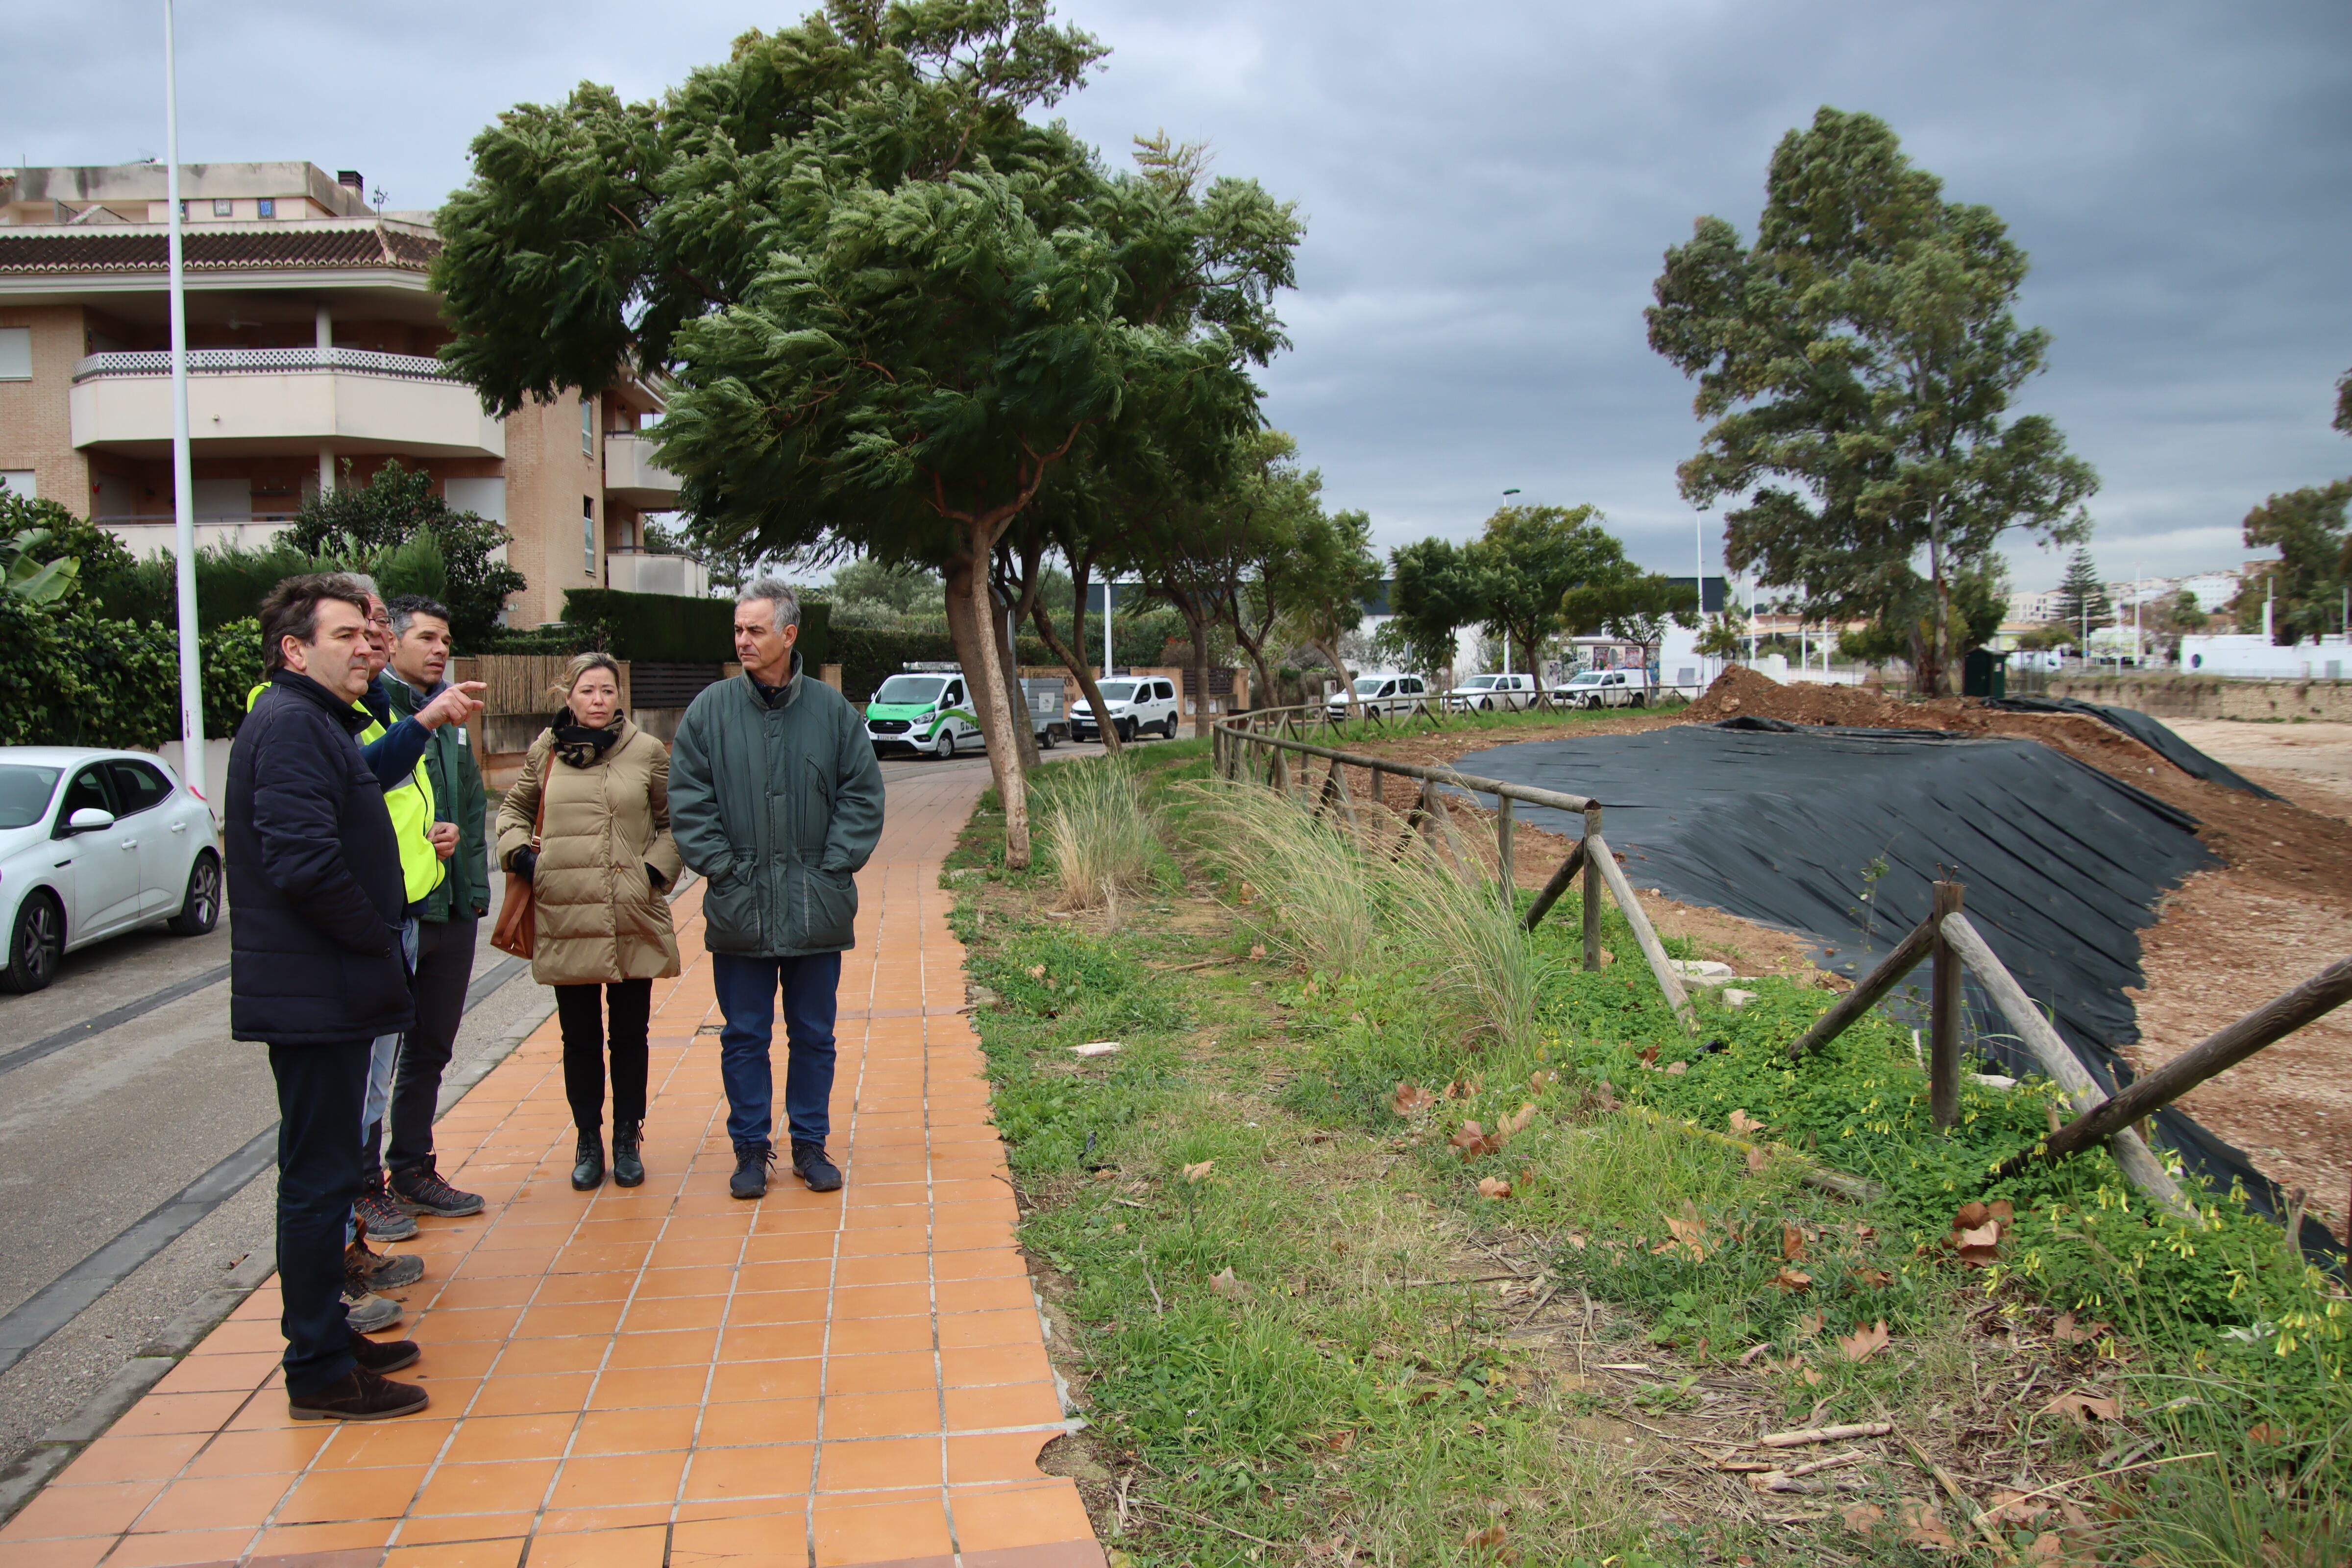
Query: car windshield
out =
(24, 793)
(1479, 683)
(911, 690)
(1369, 686)
(1116, 690)
(1587, 678)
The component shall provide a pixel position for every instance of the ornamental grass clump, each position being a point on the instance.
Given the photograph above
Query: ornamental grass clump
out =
(1302, 885)
(1097, 830)
(1481, 959)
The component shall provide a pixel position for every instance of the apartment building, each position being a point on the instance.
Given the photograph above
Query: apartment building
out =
(312, 326)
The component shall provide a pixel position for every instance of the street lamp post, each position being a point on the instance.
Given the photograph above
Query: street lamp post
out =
(183, 505)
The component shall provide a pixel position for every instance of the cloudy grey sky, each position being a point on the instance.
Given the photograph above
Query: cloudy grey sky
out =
(1488, 188)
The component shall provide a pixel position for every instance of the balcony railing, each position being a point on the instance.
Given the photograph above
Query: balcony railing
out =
(230, 361)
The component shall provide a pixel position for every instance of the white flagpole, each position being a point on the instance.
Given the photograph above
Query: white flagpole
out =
(184, 504)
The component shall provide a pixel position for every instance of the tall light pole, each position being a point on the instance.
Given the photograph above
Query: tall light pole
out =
(184, 504)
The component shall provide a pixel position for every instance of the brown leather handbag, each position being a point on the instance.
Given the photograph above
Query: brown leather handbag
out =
(517, 931)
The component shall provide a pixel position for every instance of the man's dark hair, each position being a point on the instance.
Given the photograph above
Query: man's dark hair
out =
(292, 610)
(408, 606)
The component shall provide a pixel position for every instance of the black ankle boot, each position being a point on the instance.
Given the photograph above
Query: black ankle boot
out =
(589, 1172)
(628, 1170)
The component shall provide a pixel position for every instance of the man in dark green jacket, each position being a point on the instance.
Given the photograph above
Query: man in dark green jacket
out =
(447, 918)
(774, 795)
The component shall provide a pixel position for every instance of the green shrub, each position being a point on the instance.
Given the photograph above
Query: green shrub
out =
(84, 679)
(670, 629)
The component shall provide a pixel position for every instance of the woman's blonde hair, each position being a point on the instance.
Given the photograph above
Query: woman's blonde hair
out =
(581, 664)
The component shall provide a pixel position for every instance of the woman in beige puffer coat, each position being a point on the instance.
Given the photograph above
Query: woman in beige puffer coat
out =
(598, 868)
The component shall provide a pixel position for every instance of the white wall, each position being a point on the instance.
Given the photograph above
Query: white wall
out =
(2252, 654)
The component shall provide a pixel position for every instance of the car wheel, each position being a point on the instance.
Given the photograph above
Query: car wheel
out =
(1485, 705)
(36, 943)
(1168, 731)
(943, 747)
(1639, 700)
(200, 910)
(1126, 732)
(1048, 741)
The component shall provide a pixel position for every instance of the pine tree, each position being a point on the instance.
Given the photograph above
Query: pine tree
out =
(2082, 597)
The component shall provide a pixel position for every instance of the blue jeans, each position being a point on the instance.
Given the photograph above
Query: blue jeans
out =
(747, 991)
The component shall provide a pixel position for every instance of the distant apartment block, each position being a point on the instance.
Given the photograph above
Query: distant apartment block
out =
(312, 328)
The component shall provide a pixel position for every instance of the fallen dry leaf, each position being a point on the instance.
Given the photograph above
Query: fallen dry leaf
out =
(1792, 1280)
(1872, 1278)
(1257, 949)
(1409, 1098)
(1792, 1243)
(1036, 972)
(1200, 1172)
(1673, 1069)
(2002, 1210)
(1227, 1284)
(1648, 1055)
(1809, 1325)
(1472, 1141)
(1527, 1178)
(2081, 1407)
(1341, 1441)
(1690, 1235)
(1863, 1342)
(1516, 1123)
(1971, 1215)
(1605, 1095)
(1745, 1124)
(1757, 1160)
(1494, 1187)
(2066, 1332)
(1812, 1377)
(1863, 1517)
(2051, 1550)
(1986, 1235)
(2263, 1433)
(1923, 1526)
(1752, 1351)
(1540, 1079)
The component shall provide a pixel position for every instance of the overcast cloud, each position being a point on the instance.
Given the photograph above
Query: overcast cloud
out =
(1488, 188)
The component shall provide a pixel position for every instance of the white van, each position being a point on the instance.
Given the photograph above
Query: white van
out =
(1139, 705)
(1605, 688)
(1489, 692)
(923, 714)
(1384, 694)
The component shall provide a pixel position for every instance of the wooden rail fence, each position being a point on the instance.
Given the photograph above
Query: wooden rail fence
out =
(1256, 747)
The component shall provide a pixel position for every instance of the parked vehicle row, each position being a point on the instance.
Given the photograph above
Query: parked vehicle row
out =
(1490, 693)
(1137, 705)
(93, 844)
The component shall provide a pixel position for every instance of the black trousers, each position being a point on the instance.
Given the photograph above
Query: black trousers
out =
(580, 1010)
(321, 1090)
(445, 967)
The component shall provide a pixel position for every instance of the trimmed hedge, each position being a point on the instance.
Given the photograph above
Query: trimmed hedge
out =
(670, 629)
(82, 680)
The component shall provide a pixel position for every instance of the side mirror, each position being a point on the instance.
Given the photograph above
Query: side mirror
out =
(89, 819)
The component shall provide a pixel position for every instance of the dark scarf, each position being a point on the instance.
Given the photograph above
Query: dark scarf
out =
(578, 744)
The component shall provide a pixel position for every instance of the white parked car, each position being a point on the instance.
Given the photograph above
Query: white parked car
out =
(1384, 694)
(1489, 692)
(94, 844)
(1605, 688)
(1139, 704)
(923, 714)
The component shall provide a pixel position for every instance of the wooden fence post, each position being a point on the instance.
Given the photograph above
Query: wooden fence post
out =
(1509, 886)
(1591, 889)
(1944, 1014)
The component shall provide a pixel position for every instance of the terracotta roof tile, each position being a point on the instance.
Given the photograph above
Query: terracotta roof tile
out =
(305, 246)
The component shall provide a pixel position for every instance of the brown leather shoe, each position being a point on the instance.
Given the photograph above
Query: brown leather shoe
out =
(390, 1356)
(362, 1397)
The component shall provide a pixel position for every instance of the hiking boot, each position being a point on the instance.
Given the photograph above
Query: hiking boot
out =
(384, 1219)
(751, 1178)
(381, 1359)
(371, 1271)
(367, 1311)
(362, 1397)
(588, 1167)
(628, 1168)
(422, 1191)
(809, 1164)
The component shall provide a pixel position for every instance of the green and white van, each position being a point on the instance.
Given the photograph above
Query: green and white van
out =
(921, 713)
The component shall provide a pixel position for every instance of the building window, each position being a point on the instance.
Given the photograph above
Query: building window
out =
(265, 207)
(224, 207)
(16, 353)
(588, 534)
(20, 482)
(587, 424)
(183, 212)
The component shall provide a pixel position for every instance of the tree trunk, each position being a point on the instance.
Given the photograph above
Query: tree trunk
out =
(1331, 653)
(1196, 622)
(1024, 727)
(1941, 680)
(1072, 657)
(969, 603)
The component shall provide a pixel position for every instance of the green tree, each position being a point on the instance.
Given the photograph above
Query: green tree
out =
(1538, 570)
(1617, 597)
(892, 307)
(1335, 571)
(1432, 596)
(1858, 363)
(1906, 628)
(1724, 636)
(2083, 601)
(387, 514)
(2307, 529)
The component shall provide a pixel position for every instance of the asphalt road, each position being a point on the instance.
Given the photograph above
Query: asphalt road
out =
(134, 1164)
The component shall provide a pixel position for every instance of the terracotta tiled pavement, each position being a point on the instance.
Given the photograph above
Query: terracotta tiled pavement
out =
(668, 1375)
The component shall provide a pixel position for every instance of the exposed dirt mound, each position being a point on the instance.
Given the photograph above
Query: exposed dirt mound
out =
(1740, 690)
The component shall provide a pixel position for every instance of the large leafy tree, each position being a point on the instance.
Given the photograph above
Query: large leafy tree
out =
(1522, 568)
(2083, 601)
(1858, 363)
(1433, 596)
(892, 307)
(394, 513)
(2308, 530)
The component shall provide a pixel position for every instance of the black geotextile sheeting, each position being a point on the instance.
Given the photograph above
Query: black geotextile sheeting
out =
(2149, 732)
(1783, 825)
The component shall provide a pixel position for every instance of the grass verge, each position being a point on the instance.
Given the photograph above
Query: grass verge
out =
(1343, 1277)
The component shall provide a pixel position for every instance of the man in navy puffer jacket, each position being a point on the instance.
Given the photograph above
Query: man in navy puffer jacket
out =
(315, 969)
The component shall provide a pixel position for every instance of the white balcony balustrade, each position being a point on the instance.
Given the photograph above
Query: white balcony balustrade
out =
(633, 478)
(282, 401)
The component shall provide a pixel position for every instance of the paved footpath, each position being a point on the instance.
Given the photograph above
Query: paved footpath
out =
(664, 1376)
